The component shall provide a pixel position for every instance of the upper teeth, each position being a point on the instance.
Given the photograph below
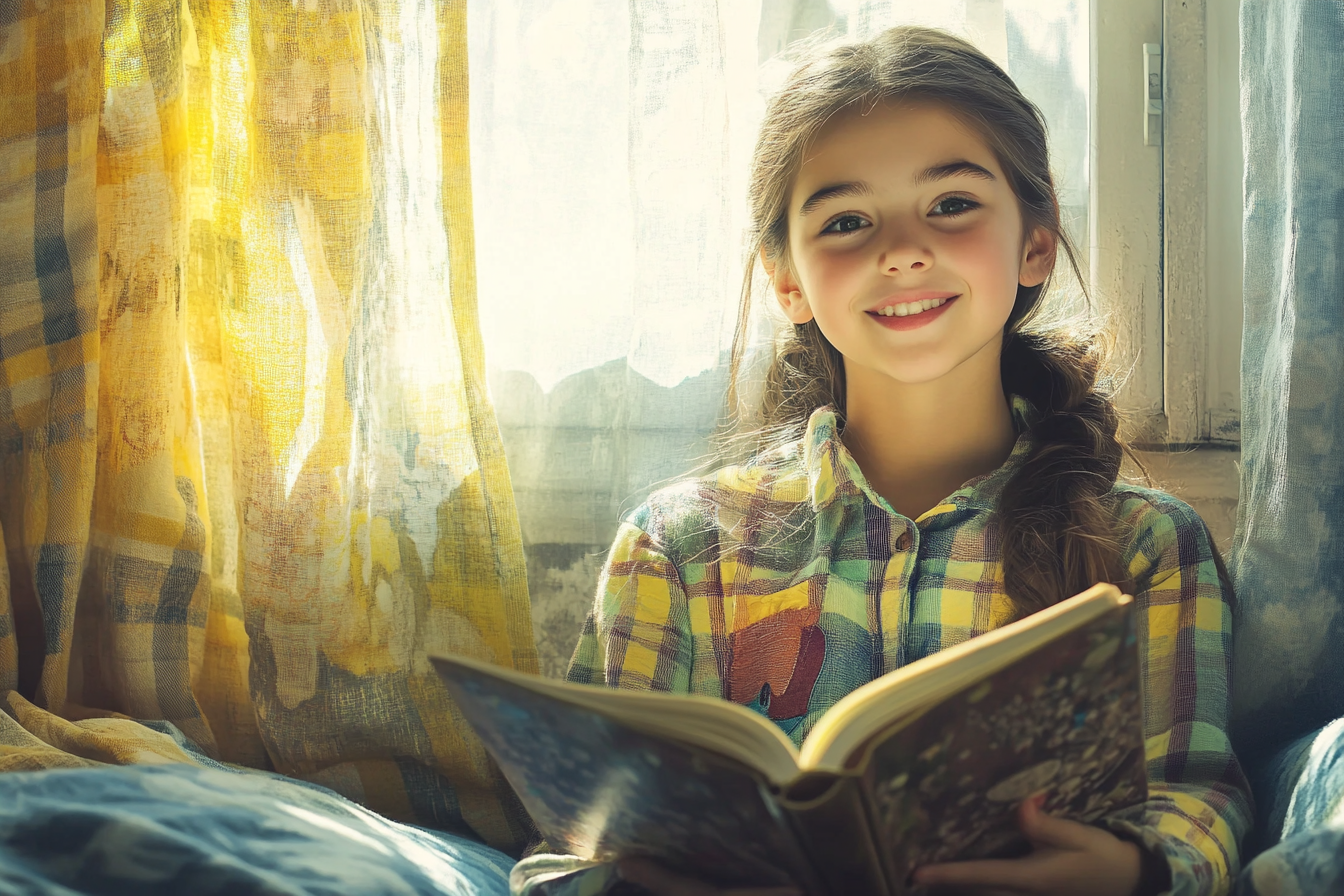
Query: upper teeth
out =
(910, 308)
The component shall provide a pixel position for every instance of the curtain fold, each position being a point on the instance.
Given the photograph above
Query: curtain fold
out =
(251, 475)
(1288, 554)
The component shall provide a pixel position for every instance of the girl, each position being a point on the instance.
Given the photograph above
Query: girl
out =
(943, 462)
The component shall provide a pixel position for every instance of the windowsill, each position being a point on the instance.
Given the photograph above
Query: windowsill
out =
(1207, 478)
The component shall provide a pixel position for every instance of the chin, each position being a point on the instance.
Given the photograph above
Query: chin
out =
(918, 374)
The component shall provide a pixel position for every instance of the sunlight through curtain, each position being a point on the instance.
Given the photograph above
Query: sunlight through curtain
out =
(611, 190)
(251, 477)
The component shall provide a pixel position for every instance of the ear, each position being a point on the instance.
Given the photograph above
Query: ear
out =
(1038, 257)
(787, 290)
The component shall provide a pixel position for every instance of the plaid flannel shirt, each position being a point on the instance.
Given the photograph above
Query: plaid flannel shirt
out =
(786, 583)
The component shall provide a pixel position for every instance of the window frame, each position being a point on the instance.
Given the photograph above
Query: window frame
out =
(1125, 250)
(1224, 258)
(1166, 220)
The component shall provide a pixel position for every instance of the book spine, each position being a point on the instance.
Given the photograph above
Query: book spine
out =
(827, 813)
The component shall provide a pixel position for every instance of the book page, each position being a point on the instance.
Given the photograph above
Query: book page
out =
(712, 724)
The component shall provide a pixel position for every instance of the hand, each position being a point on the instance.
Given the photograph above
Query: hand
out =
(661, 882)
(1067, 859)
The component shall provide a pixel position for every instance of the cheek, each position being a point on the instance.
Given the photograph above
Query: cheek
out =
(832, 276)
(987, 259)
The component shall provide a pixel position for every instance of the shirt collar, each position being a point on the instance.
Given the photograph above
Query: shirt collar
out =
(833, 474)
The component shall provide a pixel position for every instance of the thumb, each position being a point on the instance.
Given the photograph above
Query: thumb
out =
(1043, 829)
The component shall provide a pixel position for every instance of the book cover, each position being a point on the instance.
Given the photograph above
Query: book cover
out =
(1066, 722)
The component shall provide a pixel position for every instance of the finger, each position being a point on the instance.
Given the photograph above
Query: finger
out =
(1044, 829)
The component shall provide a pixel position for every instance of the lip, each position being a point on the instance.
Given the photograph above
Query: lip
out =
(913, 321)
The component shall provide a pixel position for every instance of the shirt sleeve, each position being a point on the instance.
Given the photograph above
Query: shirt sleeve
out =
(1199, 803)
(637, 635)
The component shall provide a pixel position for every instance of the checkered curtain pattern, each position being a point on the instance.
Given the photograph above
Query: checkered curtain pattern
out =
(249, 474)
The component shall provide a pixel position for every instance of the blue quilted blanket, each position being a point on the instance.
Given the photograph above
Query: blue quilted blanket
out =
(1301, 824)
(178, 829)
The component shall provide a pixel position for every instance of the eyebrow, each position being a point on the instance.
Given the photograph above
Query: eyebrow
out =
(951, 169)
(852, 188)
(928, 175)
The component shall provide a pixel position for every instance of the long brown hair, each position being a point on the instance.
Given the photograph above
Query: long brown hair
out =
(1057, 523)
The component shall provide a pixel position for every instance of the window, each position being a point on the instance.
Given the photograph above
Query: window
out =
(619, 169)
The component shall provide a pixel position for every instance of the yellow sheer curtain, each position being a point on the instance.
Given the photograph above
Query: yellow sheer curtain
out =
(251, 477)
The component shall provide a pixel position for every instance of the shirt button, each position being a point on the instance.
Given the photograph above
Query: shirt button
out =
(903, 542)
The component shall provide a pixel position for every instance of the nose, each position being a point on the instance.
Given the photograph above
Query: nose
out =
(904, 254)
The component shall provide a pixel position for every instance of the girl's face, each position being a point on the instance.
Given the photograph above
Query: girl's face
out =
(906, 243)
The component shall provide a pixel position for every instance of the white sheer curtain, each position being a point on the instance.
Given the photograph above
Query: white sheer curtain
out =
(610, 145)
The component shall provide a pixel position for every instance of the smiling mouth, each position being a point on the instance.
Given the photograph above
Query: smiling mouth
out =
(908, 308)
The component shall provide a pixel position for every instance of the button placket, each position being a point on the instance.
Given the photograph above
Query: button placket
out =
(896, 613)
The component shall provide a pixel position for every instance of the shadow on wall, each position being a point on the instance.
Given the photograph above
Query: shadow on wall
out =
(583, 456)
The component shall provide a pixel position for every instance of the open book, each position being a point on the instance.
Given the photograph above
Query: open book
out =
(925, 764)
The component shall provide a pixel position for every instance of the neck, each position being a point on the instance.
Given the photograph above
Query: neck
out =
(918, 443)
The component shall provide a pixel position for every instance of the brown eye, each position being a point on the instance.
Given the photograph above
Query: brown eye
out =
(954, 205)
(846, 224)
